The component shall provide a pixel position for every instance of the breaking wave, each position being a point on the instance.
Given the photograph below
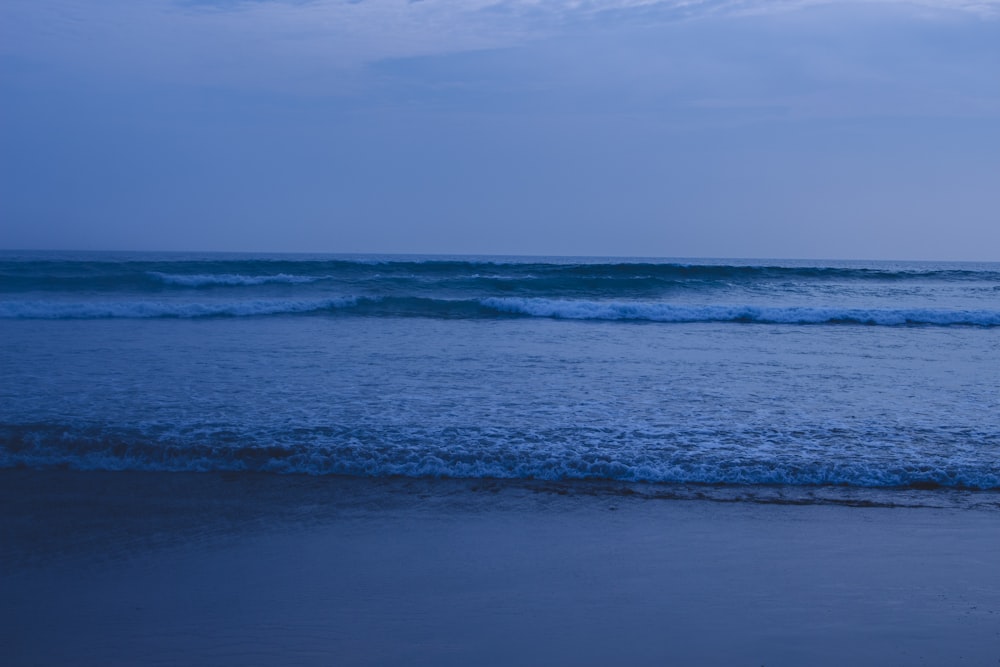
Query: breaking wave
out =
(555, 277)
(493, 307)
(665, 312)
(230, 279)
(583, 454)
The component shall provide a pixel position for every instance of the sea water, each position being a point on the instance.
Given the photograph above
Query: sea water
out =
(788, 374)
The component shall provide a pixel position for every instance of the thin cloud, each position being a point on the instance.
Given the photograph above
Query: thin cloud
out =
(346, 34)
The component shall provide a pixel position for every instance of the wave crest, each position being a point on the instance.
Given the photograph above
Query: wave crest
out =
(666, 312)
(228, 279)
(493, 307)
(65, 310)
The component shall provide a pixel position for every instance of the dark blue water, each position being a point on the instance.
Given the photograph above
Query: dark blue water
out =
(861, 374)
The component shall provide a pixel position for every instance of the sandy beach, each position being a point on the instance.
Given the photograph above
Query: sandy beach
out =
(208, 569)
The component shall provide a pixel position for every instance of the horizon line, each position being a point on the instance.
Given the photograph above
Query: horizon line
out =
(701, 258)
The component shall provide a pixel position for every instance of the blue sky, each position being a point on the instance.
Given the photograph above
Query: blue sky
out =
(627, 127)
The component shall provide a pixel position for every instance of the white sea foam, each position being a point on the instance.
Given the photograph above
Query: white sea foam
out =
(90, 453)
(535, 307)
(667, 312)
(228, 279)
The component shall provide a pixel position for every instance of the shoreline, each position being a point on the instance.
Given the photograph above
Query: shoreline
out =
(206, 568)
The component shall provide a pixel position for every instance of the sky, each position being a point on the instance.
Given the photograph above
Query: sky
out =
(674, 128)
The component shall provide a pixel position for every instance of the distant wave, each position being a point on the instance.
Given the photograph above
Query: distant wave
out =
(493, 307)
(228, 279)
(482, 455)
(488, 276)
(58, 310)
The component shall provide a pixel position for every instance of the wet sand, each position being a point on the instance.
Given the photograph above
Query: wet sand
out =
(189, 569)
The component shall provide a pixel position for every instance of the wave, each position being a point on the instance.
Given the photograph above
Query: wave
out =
(493, 307)
(552, 278)
(61, 310)
(345, 451)
(664, 312)
(229, 279)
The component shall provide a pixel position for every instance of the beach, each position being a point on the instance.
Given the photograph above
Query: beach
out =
(177, 568)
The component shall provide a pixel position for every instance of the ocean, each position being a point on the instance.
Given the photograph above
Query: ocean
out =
(770, 377)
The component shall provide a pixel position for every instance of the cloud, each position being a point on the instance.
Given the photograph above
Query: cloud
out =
(242, 42)
(710, 60)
